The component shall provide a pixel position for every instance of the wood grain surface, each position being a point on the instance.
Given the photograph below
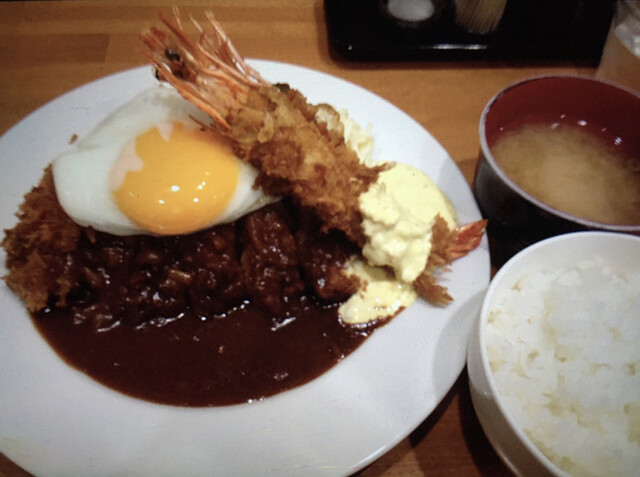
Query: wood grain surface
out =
(48, 48)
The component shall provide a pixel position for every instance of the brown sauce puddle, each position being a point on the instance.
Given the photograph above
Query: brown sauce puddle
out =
(220, 361)
(226, 315)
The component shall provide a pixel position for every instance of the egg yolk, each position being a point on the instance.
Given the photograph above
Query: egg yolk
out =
(173, 179)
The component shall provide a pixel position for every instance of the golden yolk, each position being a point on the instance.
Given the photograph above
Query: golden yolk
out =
(176, 183)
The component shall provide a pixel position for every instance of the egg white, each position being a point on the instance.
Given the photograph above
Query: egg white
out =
(81, 175)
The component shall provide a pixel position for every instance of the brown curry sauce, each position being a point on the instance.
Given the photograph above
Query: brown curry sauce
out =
(236, 358)
(235, 313)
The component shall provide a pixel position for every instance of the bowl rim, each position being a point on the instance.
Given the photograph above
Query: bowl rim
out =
(488, 155)
(485, 309)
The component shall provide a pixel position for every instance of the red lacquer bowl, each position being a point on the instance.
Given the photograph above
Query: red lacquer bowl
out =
(516, 218)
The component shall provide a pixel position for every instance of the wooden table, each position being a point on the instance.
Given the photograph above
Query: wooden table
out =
(48, 48)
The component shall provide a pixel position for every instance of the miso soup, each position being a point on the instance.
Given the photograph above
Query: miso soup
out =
(573, 170)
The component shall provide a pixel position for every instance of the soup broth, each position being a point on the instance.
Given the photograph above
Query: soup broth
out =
(573, 170)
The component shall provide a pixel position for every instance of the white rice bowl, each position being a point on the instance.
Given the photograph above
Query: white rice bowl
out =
(554, 362)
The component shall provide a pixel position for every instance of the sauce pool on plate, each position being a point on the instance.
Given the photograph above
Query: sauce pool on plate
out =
(239, 358)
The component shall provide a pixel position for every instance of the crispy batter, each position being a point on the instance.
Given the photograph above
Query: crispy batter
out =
(273, 257)
(426, 284)
(34, 245)
(272, 127)
(275, 129)
(305, 160)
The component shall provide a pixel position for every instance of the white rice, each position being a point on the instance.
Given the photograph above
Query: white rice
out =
(564, 348)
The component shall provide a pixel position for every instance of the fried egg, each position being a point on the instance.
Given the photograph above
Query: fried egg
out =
(149, 168)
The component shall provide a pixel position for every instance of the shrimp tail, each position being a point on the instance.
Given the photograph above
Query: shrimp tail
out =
(447, 246)
(467, 238)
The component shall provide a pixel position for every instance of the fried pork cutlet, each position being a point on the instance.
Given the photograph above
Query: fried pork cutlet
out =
(273, 256)
(34, 247)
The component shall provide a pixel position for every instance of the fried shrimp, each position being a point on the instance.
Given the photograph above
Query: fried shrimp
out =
(272, 127)
(276, 130)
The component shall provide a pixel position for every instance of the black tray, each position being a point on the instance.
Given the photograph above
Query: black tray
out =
(530, 30)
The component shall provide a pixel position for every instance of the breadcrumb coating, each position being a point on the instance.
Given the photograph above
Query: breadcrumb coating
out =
(34, 245)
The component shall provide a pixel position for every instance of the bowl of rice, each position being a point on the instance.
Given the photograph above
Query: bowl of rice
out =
(554, 358)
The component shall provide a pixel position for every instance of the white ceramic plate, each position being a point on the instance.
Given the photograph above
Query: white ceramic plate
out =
(55, 420)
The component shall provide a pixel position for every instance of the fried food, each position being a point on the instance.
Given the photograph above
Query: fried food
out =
(34, 246)
(272, 257)
(275, 129)
(272, 127)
